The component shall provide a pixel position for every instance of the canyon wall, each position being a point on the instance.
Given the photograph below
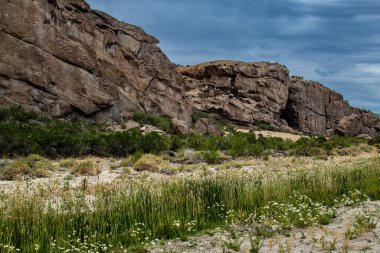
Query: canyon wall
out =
(63, 59)
(260, 91)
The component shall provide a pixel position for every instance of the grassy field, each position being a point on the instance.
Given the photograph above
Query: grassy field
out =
(135, 213)
(169, 185)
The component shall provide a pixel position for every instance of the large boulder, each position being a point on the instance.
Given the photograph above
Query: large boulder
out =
(61, 58)
(313, 108)
(207, 126)
(243, 92)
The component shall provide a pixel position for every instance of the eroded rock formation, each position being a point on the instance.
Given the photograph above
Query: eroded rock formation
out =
(249, 92)
(66, 60)
(243, 92)
(61, 58)
(313, 108)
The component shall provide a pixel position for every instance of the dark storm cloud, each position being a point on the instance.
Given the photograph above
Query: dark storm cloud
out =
(336, 42)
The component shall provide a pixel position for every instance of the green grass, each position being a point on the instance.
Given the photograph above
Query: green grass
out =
(137, 212)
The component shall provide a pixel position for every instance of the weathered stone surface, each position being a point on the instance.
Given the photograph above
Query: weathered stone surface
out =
(61, 58)
(180, 126)
(313, 108)
(64, 59)
(350, 124)
(243, 92)
(248, 92)
(365, 136)
(207, 126)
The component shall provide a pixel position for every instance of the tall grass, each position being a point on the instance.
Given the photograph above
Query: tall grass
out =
(136, 212)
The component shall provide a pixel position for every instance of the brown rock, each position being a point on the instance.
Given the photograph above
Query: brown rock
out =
(180, 126)
(249, 92)
(244, 92)
(305, 108)
(66, 60)
(377, 127)
(364, 136)
(313, 108)
(207, 126)
(350, 124)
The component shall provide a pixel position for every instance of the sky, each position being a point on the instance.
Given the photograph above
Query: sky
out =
(334, 42)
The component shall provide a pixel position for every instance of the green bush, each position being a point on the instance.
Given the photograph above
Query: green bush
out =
(85, 168)
(211, 157)
(374, 141)
(33, 166)
(161, 121)
(266, 126)
(23, 133)
(19, 115)
(150, 163)
(198, 114)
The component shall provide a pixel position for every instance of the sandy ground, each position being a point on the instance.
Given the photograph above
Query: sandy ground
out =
(329, 238)
(62, 178)
(282, 135)
(285, 136)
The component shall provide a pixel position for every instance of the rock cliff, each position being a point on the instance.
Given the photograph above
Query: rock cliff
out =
(259, 91)
(61, 58)
(244, 92)
(313, 108)
(65, 60)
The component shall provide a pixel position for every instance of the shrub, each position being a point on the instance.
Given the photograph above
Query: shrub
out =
(375, 140)
(38, 162)
(19, 136)
(154, 143)
(85, 168)
(198, 114)
(188, 156)
(130, 160)
(211, 157)
(19, 115)
(32, 166)
(245, 144)
(161, 121)
(267, 126)
(15, 170)
(307, 146)
(150, 163)
(68, 163)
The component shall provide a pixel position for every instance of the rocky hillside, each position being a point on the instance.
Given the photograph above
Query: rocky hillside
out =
(63, 59)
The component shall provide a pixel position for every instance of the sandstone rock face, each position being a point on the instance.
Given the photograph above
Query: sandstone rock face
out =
(248, 92)
(243, 92)
(313, 108)
(61, 58)
(207, 126)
